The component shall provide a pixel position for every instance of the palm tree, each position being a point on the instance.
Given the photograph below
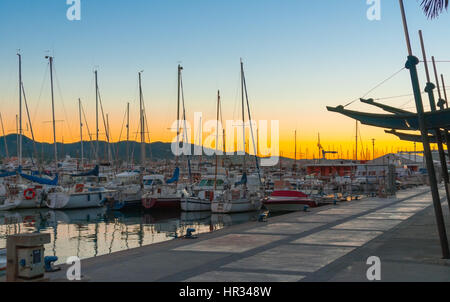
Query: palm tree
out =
(433, 8)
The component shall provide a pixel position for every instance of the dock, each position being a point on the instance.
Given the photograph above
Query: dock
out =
(329, 243)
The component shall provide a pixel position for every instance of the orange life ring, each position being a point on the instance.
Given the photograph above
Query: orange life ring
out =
(27, 195)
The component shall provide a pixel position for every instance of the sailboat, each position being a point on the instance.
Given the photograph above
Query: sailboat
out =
(78, 195)
(168, 193)
(246, 194)
(21, 195)
(128, 184)
(209, 187)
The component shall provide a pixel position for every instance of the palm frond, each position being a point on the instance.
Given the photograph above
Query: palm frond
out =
(433, 8)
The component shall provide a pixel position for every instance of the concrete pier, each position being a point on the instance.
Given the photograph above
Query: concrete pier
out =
(330, 243)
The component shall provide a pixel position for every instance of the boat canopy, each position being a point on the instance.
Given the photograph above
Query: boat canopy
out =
(39, 180)
(404, 121)
(93, 172)
(176, 175)
(7, 173)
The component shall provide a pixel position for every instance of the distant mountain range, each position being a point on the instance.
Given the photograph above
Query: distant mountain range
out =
(45, 151)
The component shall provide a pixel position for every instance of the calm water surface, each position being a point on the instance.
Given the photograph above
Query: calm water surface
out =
(93, 232)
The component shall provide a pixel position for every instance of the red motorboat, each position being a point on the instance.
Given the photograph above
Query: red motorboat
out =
(288, 200)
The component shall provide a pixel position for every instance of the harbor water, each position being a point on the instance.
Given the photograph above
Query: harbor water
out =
(93, 232)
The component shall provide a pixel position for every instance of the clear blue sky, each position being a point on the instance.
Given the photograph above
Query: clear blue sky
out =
(299, 56)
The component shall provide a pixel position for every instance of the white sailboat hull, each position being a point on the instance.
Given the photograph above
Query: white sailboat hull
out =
(63, 200)
(195, 205)
(236, 206)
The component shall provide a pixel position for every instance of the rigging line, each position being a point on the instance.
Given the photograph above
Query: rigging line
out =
(40, 93)
(381, 83)
(87, 127)
(62, 102)
(120, 136)
(147, 129)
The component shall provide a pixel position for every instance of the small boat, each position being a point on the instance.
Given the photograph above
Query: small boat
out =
(204, 193)
(288, 200)
(78, 197)
(23, 196)
(161, 194)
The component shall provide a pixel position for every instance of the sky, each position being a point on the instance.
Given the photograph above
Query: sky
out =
(299, 56)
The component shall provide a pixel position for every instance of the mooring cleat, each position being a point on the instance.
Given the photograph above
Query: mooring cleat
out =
(189, 234)
(48, 263)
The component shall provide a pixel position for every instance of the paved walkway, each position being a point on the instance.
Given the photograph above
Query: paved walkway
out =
(329, 243)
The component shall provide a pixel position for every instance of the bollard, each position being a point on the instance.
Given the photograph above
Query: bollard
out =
(48, 262)
(189, 234)
(262, 217)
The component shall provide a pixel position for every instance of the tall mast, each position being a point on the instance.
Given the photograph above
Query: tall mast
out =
(178, 111)
(96, 117)
(108, 133)
(244, 168)
(295, 151)
(141, 110)
(217, 135)
(128, 133)
(4, 137)
(20, 110)
(53, 110)
(81, 132)
(356, 144)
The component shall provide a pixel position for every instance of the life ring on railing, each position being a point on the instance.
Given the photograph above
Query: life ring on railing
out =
(79, 188)
(29, 194)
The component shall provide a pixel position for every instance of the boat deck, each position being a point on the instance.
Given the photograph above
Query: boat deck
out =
(329, 243)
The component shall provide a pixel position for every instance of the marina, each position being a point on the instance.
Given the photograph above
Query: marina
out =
(236, 156)
(330, 243)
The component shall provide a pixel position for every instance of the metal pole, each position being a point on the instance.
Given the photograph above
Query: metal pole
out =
(81, 132)
(128, 133)
(53, 112)
(141, 110)
(96, 117)
(411, 64)
(429, 89)
(4, 137)
(20, 109)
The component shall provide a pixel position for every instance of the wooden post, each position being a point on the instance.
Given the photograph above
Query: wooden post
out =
(411, 65)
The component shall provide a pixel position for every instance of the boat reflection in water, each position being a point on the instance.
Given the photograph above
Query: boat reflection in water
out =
(96, 231)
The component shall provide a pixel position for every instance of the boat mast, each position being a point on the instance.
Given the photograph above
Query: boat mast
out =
(356, 144)
(4, 136)
(20, 110)
(141, 110)
(244, 168)
(178, 112)
(53, 110)
(81, 132)
(128, 133)
(217, 136)
(108, 133)
(96, 117)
